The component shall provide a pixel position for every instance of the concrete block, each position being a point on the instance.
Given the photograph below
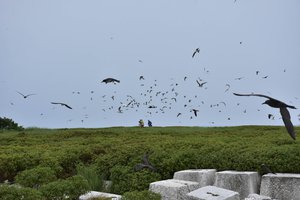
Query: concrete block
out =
(173, 189)
(243, 182)
(204, 177)
(213, 193)
(94, 194)
(281, 186)
(257, 197)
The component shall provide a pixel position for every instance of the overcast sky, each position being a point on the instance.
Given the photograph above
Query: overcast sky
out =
(62, 50)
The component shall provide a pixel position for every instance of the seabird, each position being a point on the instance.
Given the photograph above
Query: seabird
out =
(25, 96)
(283, 111)
(200, 84)
(195, 112)
(110, 80)
(63, 104)
(145, 164)
(196, 51)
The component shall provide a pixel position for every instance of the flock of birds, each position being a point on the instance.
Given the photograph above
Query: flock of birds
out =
(154, 100)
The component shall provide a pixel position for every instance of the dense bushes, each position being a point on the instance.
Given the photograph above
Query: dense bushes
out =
(12, 193)
(71, 188)
(36, 177)
(50, 160)
(9, 124)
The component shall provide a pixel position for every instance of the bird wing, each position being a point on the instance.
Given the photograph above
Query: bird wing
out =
(29, 95)
(194, 54)
(21, 94)
(139, 167)
(198, 83)
(66, 106)
(287, 122)
(252, 94)
(63, 104)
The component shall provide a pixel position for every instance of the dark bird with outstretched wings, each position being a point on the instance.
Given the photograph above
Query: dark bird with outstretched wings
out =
(196, 51)
(110, 80)
(283, 111)
(25, 96)
(144, 164)
(62, 104)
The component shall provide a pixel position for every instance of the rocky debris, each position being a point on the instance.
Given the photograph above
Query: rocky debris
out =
(281, 186)
(212, 193)
(242, 182)
(173, 189)
(204, 177)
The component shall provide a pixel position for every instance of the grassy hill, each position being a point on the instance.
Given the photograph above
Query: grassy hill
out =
(111, 153)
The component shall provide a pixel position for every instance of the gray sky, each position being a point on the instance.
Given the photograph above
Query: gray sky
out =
(56, 49)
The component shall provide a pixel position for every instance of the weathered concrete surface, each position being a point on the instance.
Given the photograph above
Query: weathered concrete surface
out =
(257, 197)
(243, 182)
(213, 193)
(204, 177)
(94, 194)
(281, 186)
(173, 189)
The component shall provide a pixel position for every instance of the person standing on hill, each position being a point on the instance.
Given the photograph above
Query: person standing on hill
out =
(141, 123)
(149, 123)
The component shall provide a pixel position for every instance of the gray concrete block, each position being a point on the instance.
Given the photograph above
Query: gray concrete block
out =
(213, 193)
(243, 182)
(173, 189)
(95, 194)
(204, 177)
(257, 197)
(281, 186)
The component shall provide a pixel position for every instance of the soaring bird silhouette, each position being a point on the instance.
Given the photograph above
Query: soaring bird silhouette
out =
(283, 111)
(62, 104)
(196, 51)
(25, 96)
(110, 80)
(144, 164)
(200, 84)
(195, 112)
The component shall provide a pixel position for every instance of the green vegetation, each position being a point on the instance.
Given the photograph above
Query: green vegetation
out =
(9, 124)
(53, 164)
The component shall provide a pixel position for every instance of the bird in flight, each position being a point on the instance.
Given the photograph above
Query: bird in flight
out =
(196, 51)
(62, 104)
(283, 111)
(239, 78)
(200, 84)
(195, 112)
(110, 80)
(25, 96)
(144, 164)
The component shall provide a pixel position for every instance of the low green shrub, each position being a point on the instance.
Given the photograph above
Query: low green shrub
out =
(9, 124)
(71, 188)
(124, 179)
(9, 192)
(35, 177)
(90, 174)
